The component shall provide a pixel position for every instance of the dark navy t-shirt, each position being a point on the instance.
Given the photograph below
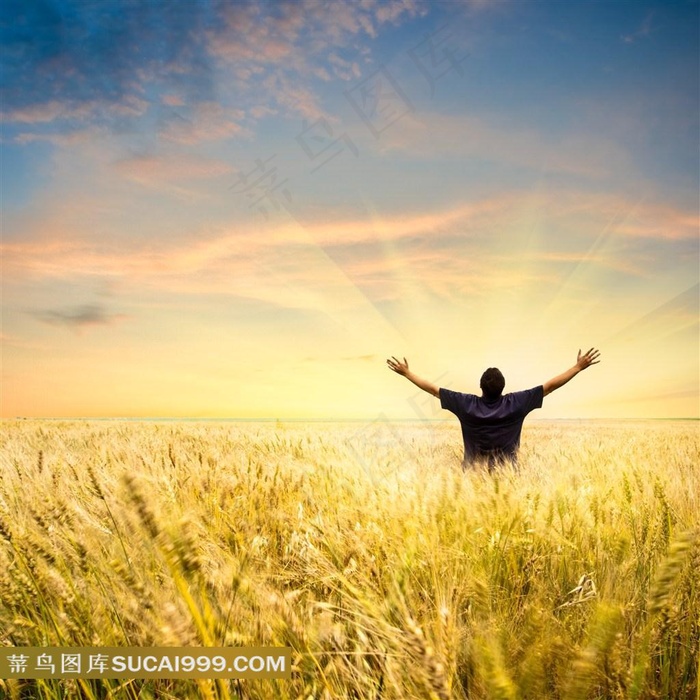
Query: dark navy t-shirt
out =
(491, 428)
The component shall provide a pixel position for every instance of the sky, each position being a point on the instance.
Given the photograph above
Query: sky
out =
(241, 209)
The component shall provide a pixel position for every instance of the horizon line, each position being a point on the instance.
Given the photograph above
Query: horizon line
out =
(315, 420)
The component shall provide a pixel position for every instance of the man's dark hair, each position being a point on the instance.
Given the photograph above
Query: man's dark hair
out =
(492, 383)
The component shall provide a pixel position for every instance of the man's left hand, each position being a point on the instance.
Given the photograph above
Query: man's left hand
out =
(398, 366)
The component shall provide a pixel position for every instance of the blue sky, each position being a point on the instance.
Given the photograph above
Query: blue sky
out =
(535, 177)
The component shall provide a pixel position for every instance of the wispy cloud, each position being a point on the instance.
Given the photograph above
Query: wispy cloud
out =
(499, 140)
(78, 317)
(277, 55)
(392, 11)
(53, 250)
(65, 139)
(172, 173)
(154, 170)
(207, 121)
(448, 253)
(58, 110)
(85, 64)
(171, 63)
(642, 32)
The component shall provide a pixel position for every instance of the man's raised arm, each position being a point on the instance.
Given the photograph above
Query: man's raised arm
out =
(582, 362)
(402, 369)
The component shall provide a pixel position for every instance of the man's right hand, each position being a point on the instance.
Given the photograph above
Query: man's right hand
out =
(590, 358)
(402, 369)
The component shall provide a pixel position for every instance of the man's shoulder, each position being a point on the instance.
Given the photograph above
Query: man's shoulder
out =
(532, 396)
(450, 398)
(456, 393)
(526, 392)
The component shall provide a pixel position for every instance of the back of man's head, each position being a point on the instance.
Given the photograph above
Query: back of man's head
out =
(492, 383)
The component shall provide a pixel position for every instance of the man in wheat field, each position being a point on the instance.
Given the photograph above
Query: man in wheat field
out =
(492, 423)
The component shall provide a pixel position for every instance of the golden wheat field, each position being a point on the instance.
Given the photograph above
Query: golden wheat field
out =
(363, 547)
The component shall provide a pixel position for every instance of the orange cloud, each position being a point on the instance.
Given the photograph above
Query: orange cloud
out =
(53, 251)
(492, 139)
(173, 100)
(56, 110)
(156, 170)
(210, 122)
